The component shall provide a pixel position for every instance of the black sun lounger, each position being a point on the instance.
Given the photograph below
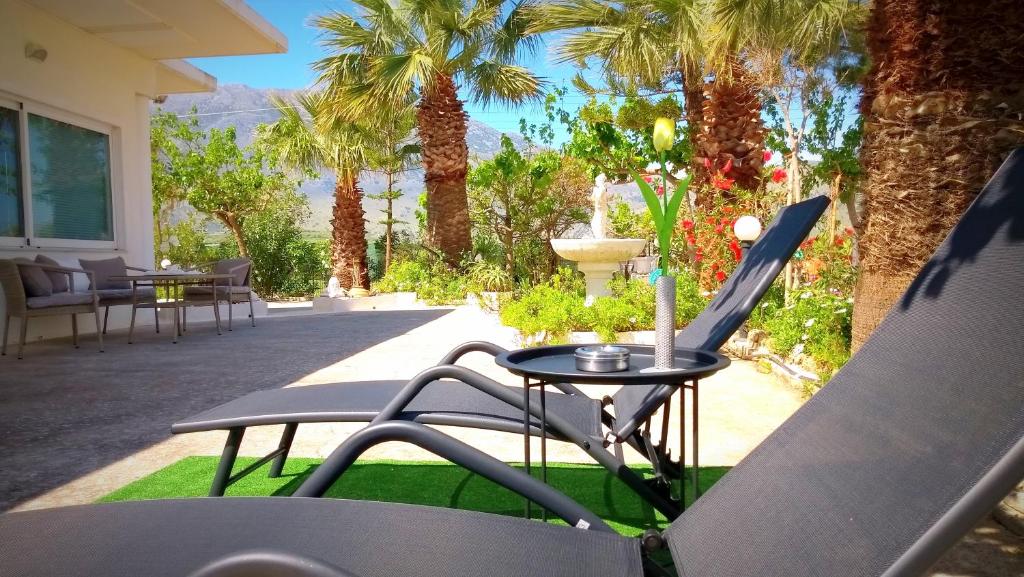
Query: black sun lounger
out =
(904, 451)
(486, 404)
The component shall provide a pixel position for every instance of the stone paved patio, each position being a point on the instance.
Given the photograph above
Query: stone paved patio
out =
(76, 424)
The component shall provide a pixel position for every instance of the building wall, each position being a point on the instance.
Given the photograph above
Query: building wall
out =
(88, 77)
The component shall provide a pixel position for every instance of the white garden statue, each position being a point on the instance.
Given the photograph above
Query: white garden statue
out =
(334, 289)
(599, 224)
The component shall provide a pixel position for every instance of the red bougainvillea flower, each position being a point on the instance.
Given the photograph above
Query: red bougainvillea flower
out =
(726, 221)
(721, 183)
(719, 229)
(839, 241)
(690, 238)
(727, 167)
(659, 191)
(727, 209)
(849, 230)
(647, 178)
(687, 224)
(710, 220)
(715, 265)
(720, 275)
(778, 175)
(766, 156)
(698, 257)
(737, 252)
(707, 163)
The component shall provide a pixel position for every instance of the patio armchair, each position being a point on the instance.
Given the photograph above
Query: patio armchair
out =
(120, 293)
(29, 292)
(455, 396)
(238, 288)
(883, 470)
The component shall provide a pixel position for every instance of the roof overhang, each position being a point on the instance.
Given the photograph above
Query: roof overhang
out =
(170, 29)
(178, 76)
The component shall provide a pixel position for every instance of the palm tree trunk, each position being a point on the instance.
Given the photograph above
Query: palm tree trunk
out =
(348, 234)
(442, 127)
(389, 223)
(942, 104)
(732, 127)
(693, 107)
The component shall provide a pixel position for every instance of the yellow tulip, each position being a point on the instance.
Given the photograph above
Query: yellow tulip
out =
(664, 133)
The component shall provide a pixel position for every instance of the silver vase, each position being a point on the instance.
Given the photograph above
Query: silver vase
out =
(664, 322)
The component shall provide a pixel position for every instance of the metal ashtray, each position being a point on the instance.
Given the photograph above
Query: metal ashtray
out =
(602, 359)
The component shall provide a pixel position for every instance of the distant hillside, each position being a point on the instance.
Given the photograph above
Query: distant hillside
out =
(245, 107)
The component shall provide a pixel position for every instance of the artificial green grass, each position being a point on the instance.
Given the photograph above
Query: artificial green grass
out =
(438, 484)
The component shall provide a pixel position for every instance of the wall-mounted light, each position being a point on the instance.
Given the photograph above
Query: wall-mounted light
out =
(34, 51)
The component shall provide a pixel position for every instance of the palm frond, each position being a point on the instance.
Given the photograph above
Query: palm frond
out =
(493, 81)
(513, 36)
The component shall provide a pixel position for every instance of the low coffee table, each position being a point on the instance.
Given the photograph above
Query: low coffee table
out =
(541, 366)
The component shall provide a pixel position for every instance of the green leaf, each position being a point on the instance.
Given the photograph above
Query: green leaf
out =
(652, 202)
(675, 201)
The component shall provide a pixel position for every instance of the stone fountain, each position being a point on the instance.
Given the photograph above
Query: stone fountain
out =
(599, 257)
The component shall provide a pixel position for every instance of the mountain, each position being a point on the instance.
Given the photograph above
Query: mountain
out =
(245, 107)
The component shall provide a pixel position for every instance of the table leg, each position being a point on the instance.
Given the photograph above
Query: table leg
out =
(216, 306)
(543, 443)
(526, 435)
(682, 448)
(172, 291)
(696, 444)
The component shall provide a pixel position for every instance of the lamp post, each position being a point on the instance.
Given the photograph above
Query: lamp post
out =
(747, 229)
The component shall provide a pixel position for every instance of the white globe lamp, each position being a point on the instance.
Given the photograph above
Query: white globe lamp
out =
(747, 229)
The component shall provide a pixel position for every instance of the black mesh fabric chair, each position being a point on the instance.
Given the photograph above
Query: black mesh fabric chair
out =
(440, 395)
(905, 450)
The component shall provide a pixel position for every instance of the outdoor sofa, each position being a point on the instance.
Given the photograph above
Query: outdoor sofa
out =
(904, 451)
(468, 399)
(41, 288)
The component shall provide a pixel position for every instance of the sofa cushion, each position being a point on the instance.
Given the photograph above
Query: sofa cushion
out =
(143, 293)
(225, 267)
(104, 269)
(59, 300)
(59, 280)
(33, 278)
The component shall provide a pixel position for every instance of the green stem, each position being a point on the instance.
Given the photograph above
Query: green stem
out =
(664, 250)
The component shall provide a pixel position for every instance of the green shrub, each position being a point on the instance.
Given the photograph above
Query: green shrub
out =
(816, 323)
(485, 276)
(556, 307)
(404, 276)
(434, 284)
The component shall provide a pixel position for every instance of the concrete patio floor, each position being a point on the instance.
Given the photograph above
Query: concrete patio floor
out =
(77, 424)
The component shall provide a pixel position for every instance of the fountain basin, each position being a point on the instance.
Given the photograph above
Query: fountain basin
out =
(598, 258)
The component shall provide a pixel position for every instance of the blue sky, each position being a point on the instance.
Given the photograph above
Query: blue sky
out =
(292, 70)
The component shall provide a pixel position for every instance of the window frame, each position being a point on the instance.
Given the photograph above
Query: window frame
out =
(25, 107)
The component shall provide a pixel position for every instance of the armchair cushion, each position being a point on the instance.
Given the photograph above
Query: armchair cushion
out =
(59, 300)
(241, 274)
(104, 269)
(34, 279)
(59, 280)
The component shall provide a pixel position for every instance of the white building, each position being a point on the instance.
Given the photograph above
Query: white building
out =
(76, 81)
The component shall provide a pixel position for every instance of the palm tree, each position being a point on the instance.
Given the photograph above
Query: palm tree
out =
(393, 153)
(309, 142)
(651, 42)
(942, 108)
(642, 43)
(428, 49)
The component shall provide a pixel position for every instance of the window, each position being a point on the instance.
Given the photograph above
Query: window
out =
(11, 211)
(55, 179)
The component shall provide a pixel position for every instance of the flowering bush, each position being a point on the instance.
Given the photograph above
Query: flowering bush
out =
(828, 262)
(813, 330)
